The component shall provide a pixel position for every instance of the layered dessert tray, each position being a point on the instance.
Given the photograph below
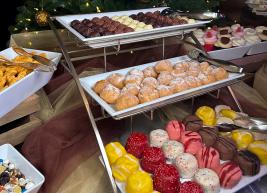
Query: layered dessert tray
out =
(190, 155)
(141, 88)
(231, 42)
(126, 25)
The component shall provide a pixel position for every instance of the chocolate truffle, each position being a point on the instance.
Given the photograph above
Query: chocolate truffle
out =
(192, 123)
(248, 162)
(226, 147)
(208, 135)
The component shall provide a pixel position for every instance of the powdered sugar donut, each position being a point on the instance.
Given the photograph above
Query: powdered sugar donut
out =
(133, 79)
(186, 164)
(172, 149)
(130, 89)
(178, 85)
(150, 82)
(165, 78)
(164, 90)
(136, 72)
(110, 94)
(158, 137)
(116, 80)
(163, 65)
(150, 72)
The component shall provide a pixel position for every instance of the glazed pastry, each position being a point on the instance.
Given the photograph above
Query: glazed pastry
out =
(248, 162)
(187, 165)
(209, 135)
(220, 73)
(208, 180)
(172, 149)
(208, 157)
(133, 79)
(150, 72)
(126, 101)
(124, 166)
(209, 39)
(110, 94)
(224, 120)
(116, 80)
(238, 41)
(179, 85)
(228, 113)
(224, 42)
(150, 82)
(190, 187)
(136, 72)
(260, 149)
(224, 31)
(238, 32)
(260, 29)
(252, 39)
(136, 144)
(175, 130)
(206, 78)
(165, 78)
(114, 151)
(226, 147)
(192, 123)
(130, 89)
(166, 179)
(164, 90)
(242, 138)
(192, 142)
(230, 174)
(139, 182)
(163, 65)
(158, 137)
(207, 115)
(152, 158)
(147, 94)
(100, 85)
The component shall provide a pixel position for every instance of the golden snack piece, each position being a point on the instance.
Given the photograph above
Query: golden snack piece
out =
(100, 85)
(126, 101)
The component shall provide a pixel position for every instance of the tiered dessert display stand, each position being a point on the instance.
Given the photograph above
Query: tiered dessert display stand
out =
(116, 42)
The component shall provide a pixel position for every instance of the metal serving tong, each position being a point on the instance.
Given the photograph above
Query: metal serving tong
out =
(255, 124)
(196, 52)
(44, 65)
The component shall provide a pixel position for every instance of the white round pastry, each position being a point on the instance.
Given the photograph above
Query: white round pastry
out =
(115, 17)
(250, 31)
(208, 180)
(141, 24)
(120, 20)
(158, 137)
(132, 25)
(135, 22)
(199, 33)
(187, 165)
(191, 21)
(124, 16)
(238, 41)
(138, 28)
(172, 149)
(252, 39)
(235, 26)
(126, 22)
(259, 29)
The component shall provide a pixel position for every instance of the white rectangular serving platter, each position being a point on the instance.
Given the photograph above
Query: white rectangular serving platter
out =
(88, 82)
(7, 151)
(245, 181)
(230, 53)
(258, 48)
(21, 90)
(66, 20)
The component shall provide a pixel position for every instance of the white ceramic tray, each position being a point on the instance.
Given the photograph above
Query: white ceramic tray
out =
(66, 20)
(89, 82)
(245, 180)
(230, 53)
(19, 91)
(258, 48)
(7, 151)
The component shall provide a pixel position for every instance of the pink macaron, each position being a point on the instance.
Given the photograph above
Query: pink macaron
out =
(239, 32)
(192, 142)
(175, 130)
(208, 157)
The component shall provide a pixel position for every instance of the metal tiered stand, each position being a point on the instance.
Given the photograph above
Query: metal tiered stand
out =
(117, 45)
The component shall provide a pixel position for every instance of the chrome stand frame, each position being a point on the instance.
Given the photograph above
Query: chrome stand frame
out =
(71, 69)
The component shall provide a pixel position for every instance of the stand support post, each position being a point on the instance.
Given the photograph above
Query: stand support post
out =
(86, 104)
(235, 98)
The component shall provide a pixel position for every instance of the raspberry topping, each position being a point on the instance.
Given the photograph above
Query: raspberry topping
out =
(209, 34)
(190, 187)
(136, 144)
(239, 29)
